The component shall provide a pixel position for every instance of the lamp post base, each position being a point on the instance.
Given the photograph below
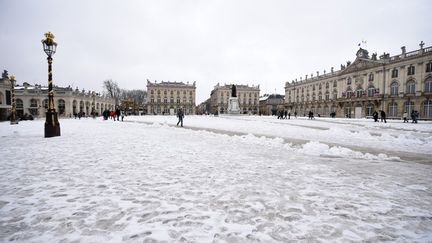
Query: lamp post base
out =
(52, 126)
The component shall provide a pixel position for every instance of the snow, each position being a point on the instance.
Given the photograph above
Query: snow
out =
(218, 179)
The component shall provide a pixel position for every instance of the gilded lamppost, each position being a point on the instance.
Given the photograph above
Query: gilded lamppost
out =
(13, 119)
(52, 126)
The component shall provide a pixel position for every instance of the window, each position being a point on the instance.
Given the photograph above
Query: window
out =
(410, 87)
(429, 67)
(151, 91)
(394, 88)
(359, 93)
(371, 91)
(394, 73)
(45, 103)
(427, 109)
(369, 109)
(349, 81)
(327, 85)
(19, 104)
(428, 85)
(165, 92)
(411, 70)
(158, 92)
(409, 106)
(349, 94)
(33, 103)
(327, 96)
(334, 84)
(371, 77)
(392, 109)
(61, 106)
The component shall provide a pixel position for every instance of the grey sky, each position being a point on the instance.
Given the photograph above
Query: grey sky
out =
(263, 42)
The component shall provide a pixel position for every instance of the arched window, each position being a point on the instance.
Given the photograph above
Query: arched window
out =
(61, 106)
(409, 106)
(428, 85)
(392, 109)
(33, 103)
(394, 88)
(427, 109)
(369, 109)
(410, 87)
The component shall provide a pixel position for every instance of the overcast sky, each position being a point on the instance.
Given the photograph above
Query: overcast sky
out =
(251, 42)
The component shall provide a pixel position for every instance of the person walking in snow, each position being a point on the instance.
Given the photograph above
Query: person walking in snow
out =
(180, 116)
(375, 116)
(405, 116)
(383, 116)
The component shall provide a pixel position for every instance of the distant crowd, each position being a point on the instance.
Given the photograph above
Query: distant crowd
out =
(376, 115)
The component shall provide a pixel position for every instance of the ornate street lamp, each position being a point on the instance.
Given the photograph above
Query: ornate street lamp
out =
(13, 119)
(52, 126)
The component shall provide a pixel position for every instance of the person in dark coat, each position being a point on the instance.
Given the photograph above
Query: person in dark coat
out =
(383, 116)
(117, 112)
(180, 116)
(375, 116)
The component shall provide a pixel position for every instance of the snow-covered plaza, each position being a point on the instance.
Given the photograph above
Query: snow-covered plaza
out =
(217, 179)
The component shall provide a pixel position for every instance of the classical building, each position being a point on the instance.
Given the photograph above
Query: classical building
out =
(271, 104)
(394, 84)
(168, 97)
(5, 96)
(247, 96)
(33, 100)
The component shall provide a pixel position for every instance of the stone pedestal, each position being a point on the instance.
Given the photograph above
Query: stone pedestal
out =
(233, 106)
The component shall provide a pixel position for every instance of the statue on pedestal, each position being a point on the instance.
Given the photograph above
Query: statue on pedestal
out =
(233, 91)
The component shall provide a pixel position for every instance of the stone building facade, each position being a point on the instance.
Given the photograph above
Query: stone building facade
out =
(248, 97)
(394, 84)
(271, 104)
(33, 100)
(5, 96)
(168, 97)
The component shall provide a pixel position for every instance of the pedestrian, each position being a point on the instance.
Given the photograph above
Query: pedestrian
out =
(415, 116)
(383, 116)
(405, 116)
(289, 115)
(117, 112)
(180, 116)
(286, 114)
(375, 116)
(295, 114)
(122, 114)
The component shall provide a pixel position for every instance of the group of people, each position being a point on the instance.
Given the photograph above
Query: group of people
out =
(113, 114)
(383, 116)
(414, 116)
(285, 114)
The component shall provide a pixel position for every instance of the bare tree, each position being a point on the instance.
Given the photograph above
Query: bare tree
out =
(112, 89)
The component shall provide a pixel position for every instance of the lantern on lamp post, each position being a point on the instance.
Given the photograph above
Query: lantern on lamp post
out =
(52, 126)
